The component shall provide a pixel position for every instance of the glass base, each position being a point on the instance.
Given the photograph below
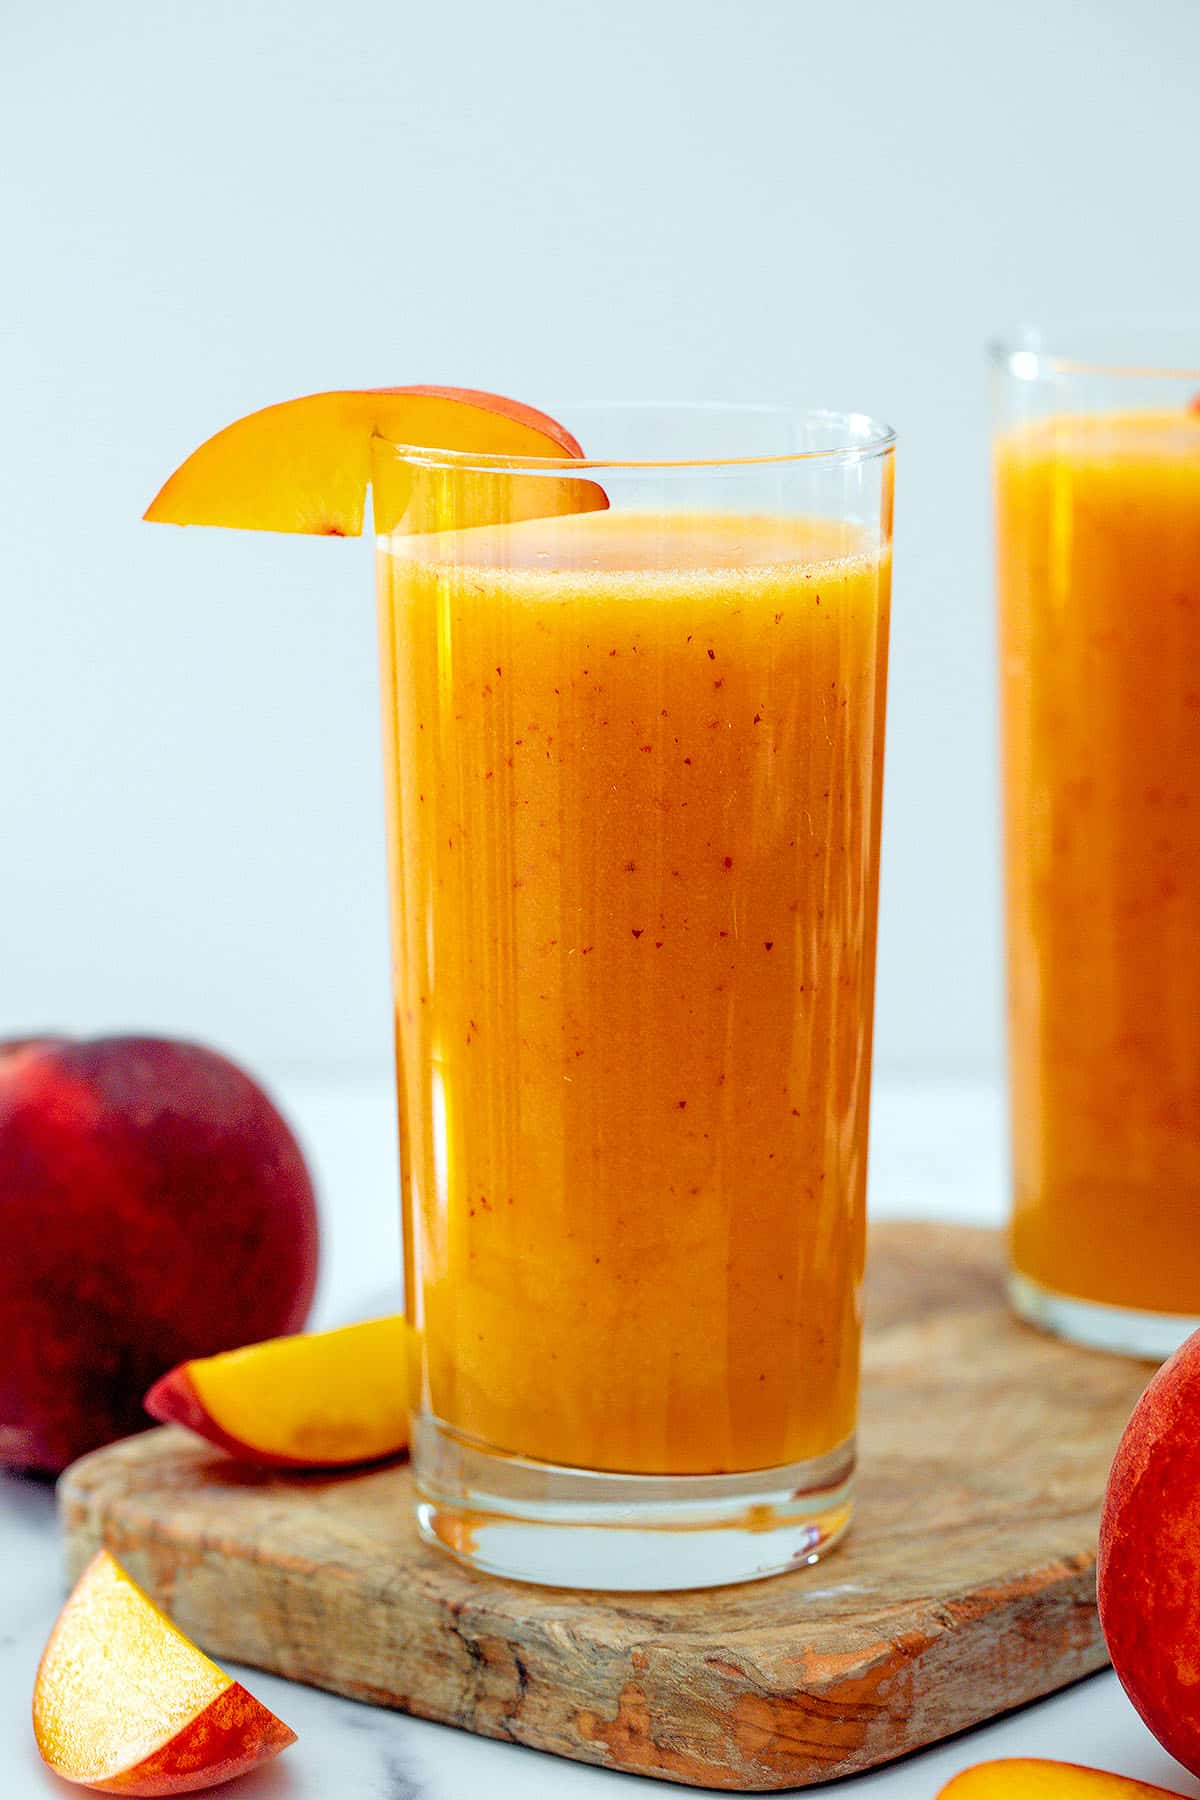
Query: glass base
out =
(1125, 1329)
(578, 1528)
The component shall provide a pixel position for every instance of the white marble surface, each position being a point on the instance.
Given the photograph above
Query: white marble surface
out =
(938, 1151)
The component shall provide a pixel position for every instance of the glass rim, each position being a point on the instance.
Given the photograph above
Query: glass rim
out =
(865, 439)
(1029, 351)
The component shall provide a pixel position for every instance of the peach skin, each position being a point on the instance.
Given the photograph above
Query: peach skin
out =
(1148, 1573)
(154, 1205)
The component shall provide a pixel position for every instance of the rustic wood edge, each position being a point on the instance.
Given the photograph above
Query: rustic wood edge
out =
(682, 1714)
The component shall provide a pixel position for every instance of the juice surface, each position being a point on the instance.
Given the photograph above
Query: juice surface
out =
(634, 777)
(1098, 529)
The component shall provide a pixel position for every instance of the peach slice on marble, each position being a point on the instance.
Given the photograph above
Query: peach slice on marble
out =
(123, 1702)
(305, 465)
(321, 1400)
(1037, 1778)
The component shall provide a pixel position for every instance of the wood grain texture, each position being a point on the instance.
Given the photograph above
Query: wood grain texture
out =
(966, 1587)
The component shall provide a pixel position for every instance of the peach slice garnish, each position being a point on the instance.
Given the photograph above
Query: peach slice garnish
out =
(305, 465)
(125, 1703)
(324, 1399)
(1037, 1778)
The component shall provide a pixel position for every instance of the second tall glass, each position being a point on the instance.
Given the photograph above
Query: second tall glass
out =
(1098, 544)
(634, 717)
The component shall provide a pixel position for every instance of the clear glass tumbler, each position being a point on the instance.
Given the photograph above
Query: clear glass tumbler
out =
(1098, 553)
(634, 719)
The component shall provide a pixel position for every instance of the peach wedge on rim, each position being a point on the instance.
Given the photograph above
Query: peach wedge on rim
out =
(319, 1400)
(123, 1702)
(305, 465)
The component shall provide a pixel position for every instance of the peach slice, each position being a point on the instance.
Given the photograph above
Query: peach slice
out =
(305, 465)
(1036, 1778)
(324, 1399)
(125, 1703)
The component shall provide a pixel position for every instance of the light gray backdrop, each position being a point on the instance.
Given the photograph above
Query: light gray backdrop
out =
(206, 207)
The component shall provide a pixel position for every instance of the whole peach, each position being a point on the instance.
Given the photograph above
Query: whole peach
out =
(154, 1206)
(1148, 1577)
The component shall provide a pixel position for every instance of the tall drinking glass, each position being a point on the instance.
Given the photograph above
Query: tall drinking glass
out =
(1098, 545)
(633, 729)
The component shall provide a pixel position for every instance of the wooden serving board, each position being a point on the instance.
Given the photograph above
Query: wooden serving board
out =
(967, 1584)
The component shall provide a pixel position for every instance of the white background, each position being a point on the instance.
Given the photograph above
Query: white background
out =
(209, 206)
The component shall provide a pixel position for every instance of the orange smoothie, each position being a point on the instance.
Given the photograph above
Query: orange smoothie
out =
(634, 776)
(1098, 528)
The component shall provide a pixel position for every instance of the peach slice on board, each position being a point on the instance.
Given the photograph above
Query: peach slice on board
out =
(305, 465)
(125, 1703)
(1036, 1778)
(325, 1399)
